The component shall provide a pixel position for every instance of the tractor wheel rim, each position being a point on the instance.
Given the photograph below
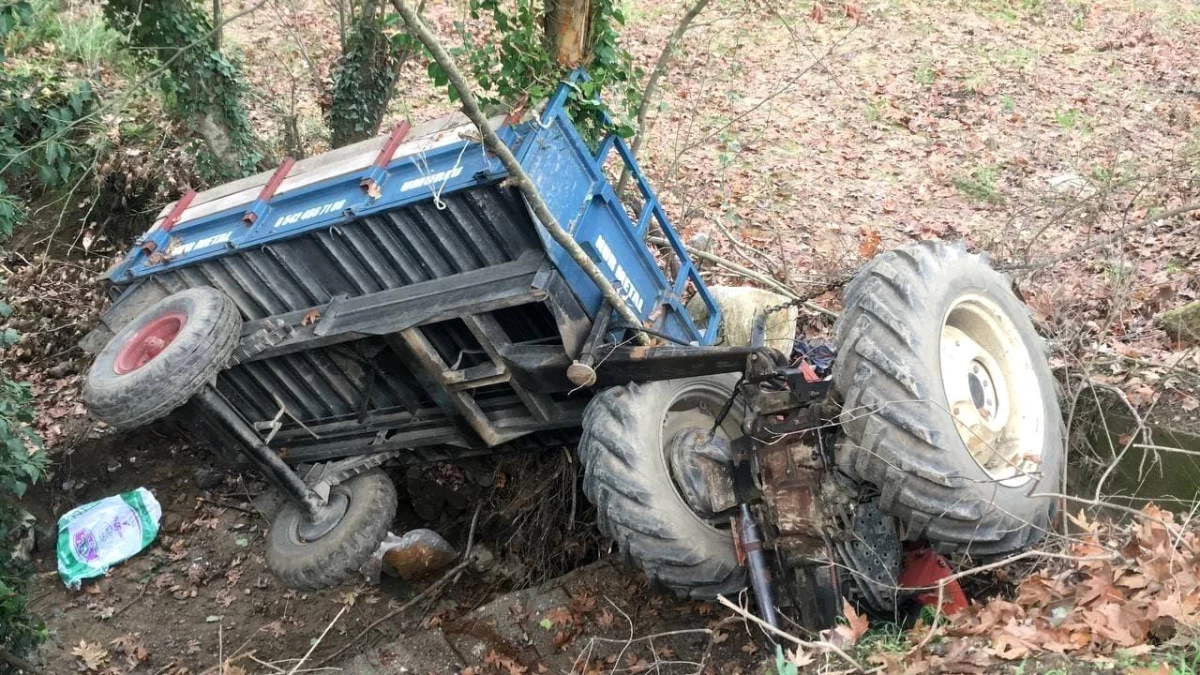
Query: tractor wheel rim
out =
(148, 342)
(693, 408)
(992, 390)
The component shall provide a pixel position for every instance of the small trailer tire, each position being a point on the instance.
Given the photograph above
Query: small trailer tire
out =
(161, 358)
(369, 500)
(948, 405)
(628, 477)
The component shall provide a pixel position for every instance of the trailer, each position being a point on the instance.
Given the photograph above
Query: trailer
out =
(396, 301)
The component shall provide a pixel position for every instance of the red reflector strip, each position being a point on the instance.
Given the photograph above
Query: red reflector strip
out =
(394, 140)
(272, 185)
(176, 213)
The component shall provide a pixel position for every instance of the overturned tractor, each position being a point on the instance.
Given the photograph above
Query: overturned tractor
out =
(397, 301)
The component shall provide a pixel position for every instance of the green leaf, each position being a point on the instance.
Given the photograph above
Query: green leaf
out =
(546, 623)
(782, 665)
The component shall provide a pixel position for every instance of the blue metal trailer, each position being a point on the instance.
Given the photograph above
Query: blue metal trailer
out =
(413, 248)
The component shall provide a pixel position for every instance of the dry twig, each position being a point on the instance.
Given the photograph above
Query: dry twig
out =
(318, 641)
(822, 645)
(749, 274)
(449, 576)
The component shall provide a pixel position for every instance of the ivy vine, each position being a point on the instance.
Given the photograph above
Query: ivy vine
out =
(200, 84)
(34, 106)
(519, 67)
(364, 78)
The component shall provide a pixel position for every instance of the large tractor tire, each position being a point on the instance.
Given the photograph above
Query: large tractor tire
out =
(650, 500)
(162, 357)
(948, 403)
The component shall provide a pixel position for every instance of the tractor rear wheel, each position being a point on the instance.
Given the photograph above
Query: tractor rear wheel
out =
(647, 479)
(948, 402)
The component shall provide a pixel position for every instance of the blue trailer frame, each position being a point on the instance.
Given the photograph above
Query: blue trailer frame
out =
(569, 176)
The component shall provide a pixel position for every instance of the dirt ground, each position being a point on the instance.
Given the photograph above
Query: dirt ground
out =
(202, 595)
(202, 589)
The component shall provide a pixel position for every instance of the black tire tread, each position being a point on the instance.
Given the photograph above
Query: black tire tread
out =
(337, 556)
(891, 445)
(180, 374)
(612, 450)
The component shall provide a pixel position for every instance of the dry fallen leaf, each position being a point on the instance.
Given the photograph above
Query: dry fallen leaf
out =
(856, 626)
(868, 244)
(92, 654)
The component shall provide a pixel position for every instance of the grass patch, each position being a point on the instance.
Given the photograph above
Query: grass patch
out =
(925, 76)
(1022, 58)
(875, 110)
(88, 40)
(980, 184)
(882, 638)
(1072, 118)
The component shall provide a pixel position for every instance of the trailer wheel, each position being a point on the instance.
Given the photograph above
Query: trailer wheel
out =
(948, 403)
(648, 499)
(162, 357)
(313, 560)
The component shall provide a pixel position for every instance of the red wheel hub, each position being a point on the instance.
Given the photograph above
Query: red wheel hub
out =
(148, 342)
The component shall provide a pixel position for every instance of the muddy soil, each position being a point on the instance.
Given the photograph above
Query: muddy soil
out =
(202, 592)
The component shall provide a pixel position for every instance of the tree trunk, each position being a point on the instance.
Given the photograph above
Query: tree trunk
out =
(204, 89)
(216, 10)
(363, 80)
(568, 29)
(660, 69)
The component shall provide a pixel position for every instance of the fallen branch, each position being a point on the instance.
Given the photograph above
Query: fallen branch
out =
(749, 274)
(318, 641)
(1106, 239)
(132, 602)
(822, 646)
(19, 663)
(1099, 503)
(937, 615)
(516, 174)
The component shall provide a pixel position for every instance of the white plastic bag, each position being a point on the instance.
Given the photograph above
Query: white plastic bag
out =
(96, 536)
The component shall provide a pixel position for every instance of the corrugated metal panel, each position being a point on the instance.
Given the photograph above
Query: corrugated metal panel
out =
(367, 378)
(476, 229)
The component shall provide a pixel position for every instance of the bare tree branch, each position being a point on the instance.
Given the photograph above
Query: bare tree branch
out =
(660, 69)
(516, 173)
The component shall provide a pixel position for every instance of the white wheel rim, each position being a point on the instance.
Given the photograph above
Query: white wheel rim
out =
(992, 390)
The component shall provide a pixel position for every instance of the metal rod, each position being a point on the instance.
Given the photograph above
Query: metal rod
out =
(516, 173)
(389, 148)
(177, 211)
(279, 473)
(756, 563)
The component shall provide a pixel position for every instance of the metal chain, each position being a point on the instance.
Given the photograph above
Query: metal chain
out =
(798, 302)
